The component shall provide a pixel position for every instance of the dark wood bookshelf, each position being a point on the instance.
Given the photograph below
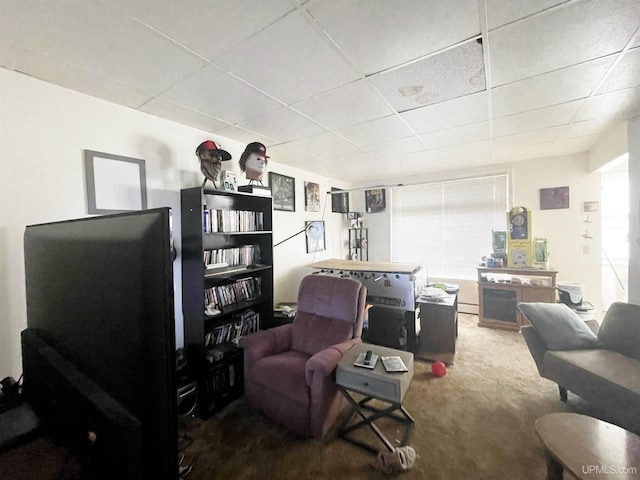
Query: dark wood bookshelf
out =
(221, 381)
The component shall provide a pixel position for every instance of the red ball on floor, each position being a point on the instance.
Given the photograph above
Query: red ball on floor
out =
(439, 369)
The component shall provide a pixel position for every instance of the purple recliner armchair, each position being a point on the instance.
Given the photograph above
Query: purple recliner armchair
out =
(289, 371)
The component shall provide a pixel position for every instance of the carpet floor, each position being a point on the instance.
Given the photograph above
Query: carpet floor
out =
(476, 422)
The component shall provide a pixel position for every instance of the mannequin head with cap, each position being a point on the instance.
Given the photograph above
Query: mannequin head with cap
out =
(253, 161)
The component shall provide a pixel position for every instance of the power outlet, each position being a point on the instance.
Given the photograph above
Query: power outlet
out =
(586, 249)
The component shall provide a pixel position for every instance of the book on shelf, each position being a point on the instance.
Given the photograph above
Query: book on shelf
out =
(372, 362)
(394, 364)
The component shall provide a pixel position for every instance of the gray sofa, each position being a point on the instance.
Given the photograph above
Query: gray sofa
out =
(602, 365)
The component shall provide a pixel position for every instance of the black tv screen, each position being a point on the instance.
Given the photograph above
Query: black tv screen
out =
(99, 292)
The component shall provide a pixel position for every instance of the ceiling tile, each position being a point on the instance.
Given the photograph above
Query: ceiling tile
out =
(283, 125)
(451, 74)
(208, 27)
(352, 104)
(92, 37)
(376, 131)
(68, 76)
(243, 136)
(520, 153)
(286, 154)
(623, 103)
(501, 12)
(560, 86)
(474, 132)
(286, 69)
(378, 34)
(571, 146)
(459, 111)
(326, 145)
(400, 146)
(183, 115)
(585, 30)
(625, 74)
(543, 135)
(594, 126)
(221, 96)
(535, 119)
(476, 148)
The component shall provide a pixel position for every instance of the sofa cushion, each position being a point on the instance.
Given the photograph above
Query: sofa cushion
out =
(559, 327)
(620, 330)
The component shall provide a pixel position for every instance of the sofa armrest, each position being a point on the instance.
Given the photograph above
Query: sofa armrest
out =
(325, 361)
(593, 325)
(265, 342)
(536, 346)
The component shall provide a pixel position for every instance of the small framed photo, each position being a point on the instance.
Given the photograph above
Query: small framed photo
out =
(554, 198)
(283, 191)
(114, 183)
(375, 200)
(339, 201)
(311, 197)
(590, 207)
(315, 236)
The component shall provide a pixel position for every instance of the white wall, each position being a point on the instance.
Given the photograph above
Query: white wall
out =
(634, 211)
(576, 258)
(43, 132)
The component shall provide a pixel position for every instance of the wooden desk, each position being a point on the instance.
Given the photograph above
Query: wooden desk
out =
(588, 448)
(375, 384)
(438, 329)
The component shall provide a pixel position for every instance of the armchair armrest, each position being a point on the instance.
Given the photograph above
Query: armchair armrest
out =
(325, 361)
(265, 342)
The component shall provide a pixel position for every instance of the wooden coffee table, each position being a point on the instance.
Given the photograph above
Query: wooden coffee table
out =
(588, 448)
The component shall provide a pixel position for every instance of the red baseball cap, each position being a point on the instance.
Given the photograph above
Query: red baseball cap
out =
(208, 145)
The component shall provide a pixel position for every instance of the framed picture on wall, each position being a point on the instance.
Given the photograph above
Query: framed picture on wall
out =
(554, 198)
(315, 236)
(283, 191)
(311, 197)
(114, 183)
(375, 200)
(339, 201)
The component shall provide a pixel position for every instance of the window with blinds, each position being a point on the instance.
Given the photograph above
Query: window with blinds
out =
(447, 226)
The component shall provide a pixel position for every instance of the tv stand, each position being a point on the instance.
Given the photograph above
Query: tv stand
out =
(501, 289)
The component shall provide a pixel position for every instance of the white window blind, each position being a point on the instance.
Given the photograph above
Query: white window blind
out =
(447, 226)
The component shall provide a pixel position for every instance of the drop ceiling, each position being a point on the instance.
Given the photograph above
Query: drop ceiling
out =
(360, 90)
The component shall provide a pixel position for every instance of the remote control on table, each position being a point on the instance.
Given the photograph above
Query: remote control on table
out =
(367, 357)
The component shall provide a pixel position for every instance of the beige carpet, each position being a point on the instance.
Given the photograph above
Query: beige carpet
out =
(474, 423)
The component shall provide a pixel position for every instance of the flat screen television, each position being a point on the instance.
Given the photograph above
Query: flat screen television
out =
(99, 348)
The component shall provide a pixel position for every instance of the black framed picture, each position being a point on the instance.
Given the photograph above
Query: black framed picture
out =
(339, 201)
(283, 191)
(311, 197)
(375, 200)
(553, 198)
(315, 236)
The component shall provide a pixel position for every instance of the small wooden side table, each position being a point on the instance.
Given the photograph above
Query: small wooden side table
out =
(588, 448)
(376, 384)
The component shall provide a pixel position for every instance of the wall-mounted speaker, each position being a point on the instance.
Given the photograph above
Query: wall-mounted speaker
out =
(188, 399)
